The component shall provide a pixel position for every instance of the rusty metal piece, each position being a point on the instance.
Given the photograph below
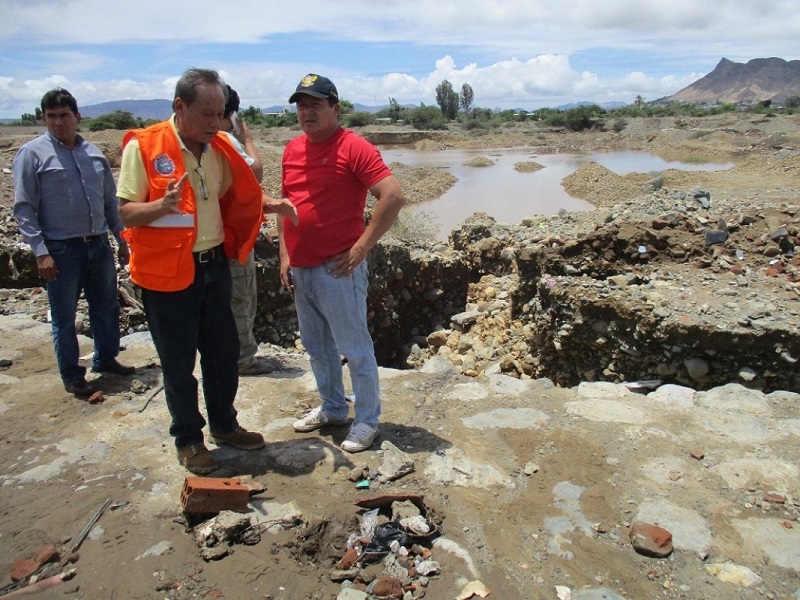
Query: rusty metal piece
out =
(203, 495)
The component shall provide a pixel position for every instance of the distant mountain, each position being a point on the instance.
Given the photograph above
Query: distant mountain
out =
(162, 109)
(141, 109)
(759, 79)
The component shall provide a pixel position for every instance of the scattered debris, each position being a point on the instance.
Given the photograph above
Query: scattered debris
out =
(394, 534)
(47, 560)
(40, 586)
(217, 535)
(22, 568)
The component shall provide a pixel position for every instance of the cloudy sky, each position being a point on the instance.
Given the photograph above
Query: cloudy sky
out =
(513, 53)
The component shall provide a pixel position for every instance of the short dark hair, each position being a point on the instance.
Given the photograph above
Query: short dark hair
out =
(58, 97)
(232, 104)
(188, 85)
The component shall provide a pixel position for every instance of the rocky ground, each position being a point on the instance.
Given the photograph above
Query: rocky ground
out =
(530, 467)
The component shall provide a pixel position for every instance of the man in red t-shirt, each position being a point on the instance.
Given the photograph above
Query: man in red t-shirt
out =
(327, 172)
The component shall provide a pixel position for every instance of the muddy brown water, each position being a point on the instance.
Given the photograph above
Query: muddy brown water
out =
(509, 195)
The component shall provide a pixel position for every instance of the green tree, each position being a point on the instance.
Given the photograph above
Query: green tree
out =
(347, 107)
(504, 116)
(584, 117)
(447, 99)
(119, 119)
(792, 102)
(28, 119)
(358, 119)
(252, 112)
(395, 110)
(467, 96)
(425, 117)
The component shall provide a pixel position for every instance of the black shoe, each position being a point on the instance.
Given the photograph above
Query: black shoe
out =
(80, 388)
(115, 368)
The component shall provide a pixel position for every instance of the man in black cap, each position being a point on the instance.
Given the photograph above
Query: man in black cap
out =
(327, 172)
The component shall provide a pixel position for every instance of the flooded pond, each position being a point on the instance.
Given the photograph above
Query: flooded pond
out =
(510, 196)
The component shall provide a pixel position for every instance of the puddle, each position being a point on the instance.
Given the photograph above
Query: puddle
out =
(510, 196)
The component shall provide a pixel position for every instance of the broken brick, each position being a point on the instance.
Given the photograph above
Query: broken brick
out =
(775, 498)
(22, 568)
(650, 540)
(46, 554)
(349, 559)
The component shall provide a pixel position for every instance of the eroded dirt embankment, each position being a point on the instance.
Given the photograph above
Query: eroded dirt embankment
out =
(634, 290)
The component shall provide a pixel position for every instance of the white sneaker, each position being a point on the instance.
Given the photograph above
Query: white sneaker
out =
(315, 419)
(360, 437)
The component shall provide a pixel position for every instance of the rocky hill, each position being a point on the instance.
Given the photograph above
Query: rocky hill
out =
(141, 109)
(759, 79)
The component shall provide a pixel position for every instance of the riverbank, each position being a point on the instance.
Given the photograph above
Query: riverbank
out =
(537, 479)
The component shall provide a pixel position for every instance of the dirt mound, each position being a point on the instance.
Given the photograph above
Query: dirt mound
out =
(603, 187)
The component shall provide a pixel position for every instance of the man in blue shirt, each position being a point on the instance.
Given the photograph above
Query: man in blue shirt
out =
(65, 202)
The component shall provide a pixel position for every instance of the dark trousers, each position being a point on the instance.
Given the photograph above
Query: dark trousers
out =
(182, 323)
(84, 264)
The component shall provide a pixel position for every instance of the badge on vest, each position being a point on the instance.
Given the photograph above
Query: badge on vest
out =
(164, 165)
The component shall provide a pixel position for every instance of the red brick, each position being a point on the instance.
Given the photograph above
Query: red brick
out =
(46, 554)
(775, 497)
(387, 587)
(22, 568)
(650, 540)
(203, 495)
(349, 559)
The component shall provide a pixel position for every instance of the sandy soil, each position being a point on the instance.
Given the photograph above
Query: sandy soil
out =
(61, 458)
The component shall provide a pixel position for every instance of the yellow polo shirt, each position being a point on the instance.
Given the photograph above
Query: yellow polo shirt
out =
(215, 175)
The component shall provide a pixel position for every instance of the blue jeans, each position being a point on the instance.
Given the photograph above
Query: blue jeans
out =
(182, 323)
(332, 314)
(83, 265)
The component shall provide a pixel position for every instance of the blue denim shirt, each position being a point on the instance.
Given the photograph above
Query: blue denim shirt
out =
(62, 193)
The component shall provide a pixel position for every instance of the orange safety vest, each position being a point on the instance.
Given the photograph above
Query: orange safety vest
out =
(161, 257)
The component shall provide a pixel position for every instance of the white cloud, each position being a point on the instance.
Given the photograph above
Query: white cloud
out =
(515, 53)
(538, 26)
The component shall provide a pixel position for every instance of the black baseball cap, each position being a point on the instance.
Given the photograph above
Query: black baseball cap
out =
(317, 86)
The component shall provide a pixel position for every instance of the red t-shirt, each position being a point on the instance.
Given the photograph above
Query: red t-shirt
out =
(328, 183)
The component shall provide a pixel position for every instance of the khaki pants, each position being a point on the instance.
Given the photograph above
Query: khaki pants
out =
(243, 305)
